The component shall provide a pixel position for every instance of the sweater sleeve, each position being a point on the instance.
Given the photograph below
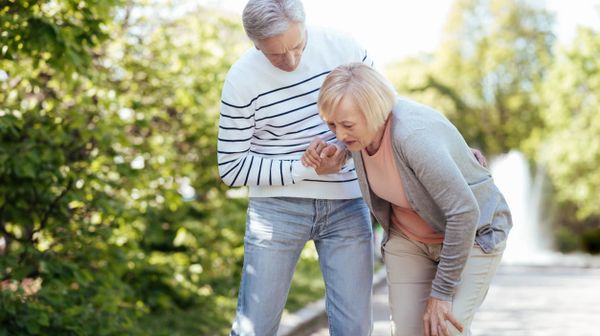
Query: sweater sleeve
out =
(430, 159)
(238, 166)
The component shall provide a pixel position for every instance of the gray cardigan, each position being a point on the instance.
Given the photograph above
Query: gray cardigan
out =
(445, 185)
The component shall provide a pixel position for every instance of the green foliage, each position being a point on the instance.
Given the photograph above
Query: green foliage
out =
(61, 34)
(570, 148)
(500, 77)
(485, 74)
(55, 209)
(100, 142)
(307, 284)
(566, 240)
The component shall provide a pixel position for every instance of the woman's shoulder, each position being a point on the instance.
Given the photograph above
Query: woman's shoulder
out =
(411, 115)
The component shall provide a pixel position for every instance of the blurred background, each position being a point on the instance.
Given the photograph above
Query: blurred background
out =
(113, 219)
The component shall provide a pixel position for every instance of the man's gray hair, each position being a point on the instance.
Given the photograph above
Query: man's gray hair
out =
(267, 18)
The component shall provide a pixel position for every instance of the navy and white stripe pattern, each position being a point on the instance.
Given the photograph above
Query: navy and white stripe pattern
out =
(263, 130)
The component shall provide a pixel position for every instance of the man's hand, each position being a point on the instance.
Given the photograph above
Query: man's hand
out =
(436, 314)
(480, 157)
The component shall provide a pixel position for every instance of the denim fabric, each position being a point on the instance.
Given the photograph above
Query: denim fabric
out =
(277, 228)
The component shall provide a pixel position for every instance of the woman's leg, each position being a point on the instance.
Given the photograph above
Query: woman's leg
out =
(476, 278)
(410, 271)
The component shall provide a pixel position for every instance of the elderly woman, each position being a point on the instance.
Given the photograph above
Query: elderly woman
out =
(445, 222)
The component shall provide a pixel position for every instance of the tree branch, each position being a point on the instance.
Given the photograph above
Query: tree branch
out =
(53, 205)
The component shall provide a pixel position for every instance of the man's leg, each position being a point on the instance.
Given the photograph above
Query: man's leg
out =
(344, 241)
(276, 231)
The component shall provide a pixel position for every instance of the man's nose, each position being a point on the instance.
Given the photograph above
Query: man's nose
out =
(290, 59)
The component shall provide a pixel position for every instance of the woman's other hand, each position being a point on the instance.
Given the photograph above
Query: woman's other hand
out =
(332, 159)
(437, 312)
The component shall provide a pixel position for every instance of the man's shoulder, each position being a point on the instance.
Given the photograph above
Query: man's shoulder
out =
(331, 37)
(242, 78)
(245, 65)
(335, 47)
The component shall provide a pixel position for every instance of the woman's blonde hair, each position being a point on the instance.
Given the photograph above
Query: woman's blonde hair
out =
(369, 90)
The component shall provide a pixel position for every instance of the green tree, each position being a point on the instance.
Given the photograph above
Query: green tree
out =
(570, 148)
(486, 73)
(54, 273)
(166, 78)
(101, 141)
(60, 34)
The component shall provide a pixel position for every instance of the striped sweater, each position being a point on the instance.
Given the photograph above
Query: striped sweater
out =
(269, 117)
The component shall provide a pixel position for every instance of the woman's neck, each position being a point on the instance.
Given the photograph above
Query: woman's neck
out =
(373, 147)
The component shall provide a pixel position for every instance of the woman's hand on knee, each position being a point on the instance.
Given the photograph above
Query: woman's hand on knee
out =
(437, 312)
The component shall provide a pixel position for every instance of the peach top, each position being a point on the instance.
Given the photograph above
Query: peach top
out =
(385, 181)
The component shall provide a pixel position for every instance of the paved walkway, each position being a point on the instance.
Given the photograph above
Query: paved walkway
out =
(525, 301)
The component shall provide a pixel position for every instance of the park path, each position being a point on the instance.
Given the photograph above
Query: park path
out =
(524, 301)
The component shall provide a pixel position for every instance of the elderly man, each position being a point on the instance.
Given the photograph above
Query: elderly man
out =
(268, 119)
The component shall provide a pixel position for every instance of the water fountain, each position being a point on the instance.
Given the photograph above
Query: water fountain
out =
(529, 242)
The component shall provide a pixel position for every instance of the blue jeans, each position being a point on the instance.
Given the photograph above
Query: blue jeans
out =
(277, 228)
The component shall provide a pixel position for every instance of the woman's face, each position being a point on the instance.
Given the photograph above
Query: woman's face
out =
(350, 126)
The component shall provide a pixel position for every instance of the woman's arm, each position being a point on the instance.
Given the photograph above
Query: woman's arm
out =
(428, 154)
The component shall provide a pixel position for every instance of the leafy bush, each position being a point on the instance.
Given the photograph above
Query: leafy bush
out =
(110, 200)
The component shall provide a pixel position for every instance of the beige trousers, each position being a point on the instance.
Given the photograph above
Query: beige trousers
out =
(411, 267)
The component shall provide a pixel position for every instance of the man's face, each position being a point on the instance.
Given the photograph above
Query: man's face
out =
(284, 51)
